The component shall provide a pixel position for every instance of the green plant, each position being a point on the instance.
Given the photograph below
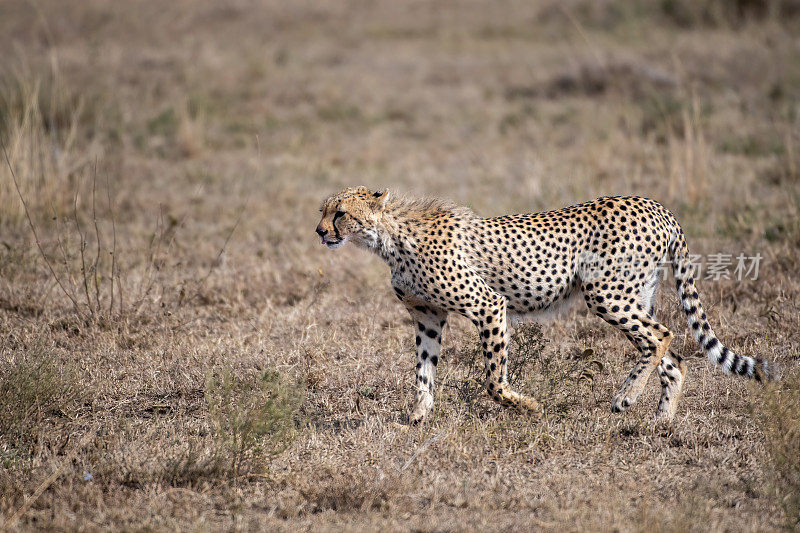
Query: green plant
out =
(251, 418)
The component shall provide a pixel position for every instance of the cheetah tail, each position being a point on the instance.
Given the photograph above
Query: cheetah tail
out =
(729, 361)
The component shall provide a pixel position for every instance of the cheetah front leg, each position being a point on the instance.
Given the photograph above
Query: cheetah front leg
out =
(491, 322)
(428, 324)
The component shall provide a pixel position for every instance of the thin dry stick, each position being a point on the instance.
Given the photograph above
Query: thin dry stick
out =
(151, 252)
(168, 247)
(45, 293)
(47, 482)
(97, 237)
(113, 252)
(202, 282)
(216, 261)
(35, 234)
(148, 277)
(82, 248)
(579, 27)
(61, 246)
(424, 446)
(63, 249)
(199, 284)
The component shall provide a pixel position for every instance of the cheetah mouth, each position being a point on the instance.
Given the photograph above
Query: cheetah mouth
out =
(333, 244)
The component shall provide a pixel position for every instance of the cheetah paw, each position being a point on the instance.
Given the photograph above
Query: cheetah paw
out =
(621, 403)
(530, 406)
(663, 417)
(415, 419)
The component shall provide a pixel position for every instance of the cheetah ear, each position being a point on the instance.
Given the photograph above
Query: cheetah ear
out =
(379, 198)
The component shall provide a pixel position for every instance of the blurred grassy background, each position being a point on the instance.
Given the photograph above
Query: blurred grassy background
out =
(173, 156)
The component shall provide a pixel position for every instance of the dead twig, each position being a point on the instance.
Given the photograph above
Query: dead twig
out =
(424, 446)
(114, 270)
(95, 273)
(36, 235)
(82, 248)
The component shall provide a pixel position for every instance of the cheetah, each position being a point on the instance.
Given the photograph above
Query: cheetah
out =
(495, 271)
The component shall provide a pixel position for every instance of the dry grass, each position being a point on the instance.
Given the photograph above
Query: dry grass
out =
(781, 423)
(240, 377)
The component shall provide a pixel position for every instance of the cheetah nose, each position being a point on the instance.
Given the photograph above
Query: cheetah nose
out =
(321, 232)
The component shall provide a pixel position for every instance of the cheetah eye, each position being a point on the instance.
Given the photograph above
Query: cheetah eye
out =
(338, 214)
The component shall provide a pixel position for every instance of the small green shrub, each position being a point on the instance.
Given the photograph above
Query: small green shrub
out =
(251, 418)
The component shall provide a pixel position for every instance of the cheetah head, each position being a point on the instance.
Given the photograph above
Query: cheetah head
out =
(351, 215)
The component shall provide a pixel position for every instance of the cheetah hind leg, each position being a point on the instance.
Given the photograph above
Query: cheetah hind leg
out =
(652, 350)
(672, 373)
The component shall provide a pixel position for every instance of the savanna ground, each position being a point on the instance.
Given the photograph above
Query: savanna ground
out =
(179, 351)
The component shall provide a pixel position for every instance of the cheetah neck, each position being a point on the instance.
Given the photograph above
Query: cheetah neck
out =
(403, 224)
(395, 236)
